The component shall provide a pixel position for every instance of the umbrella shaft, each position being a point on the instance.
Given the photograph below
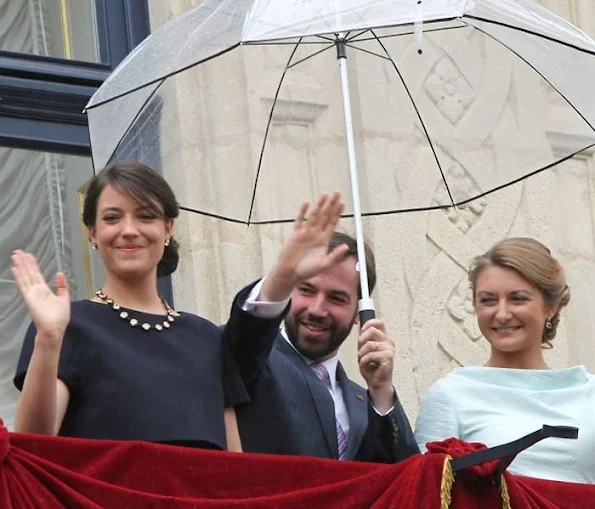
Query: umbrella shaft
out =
(357, 215)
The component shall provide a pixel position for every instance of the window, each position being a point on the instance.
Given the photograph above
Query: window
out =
(50, 65)
(54, 54)
(59, 28)
(41, 215)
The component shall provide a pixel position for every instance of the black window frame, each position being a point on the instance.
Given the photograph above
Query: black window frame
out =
(42, 98)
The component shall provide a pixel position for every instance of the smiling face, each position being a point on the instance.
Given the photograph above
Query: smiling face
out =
(323, 311)
(511, 311)
(129, 236)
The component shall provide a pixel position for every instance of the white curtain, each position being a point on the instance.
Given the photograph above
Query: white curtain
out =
(31, 218)
(32, 204)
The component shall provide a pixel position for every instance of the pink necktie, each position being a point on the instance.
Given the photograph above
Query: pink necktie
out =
(322, 373)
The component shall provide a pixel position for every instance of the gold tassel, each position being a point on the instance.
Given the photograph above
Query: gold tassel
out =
(448, 480)
(504, 494)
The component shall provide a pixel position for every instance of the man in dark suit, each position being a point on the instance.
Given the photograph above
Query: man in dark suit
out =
(303, 402)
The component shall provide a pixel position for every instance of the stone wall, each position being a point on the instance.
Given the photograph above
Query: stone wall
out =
(422, 257)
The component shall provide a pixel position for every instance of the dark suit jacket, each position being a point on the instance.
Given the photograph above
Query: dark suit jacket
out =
(292, 412)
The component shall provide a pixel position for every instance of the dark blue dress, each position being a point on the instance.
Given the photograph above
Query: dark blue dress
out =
(130, 384)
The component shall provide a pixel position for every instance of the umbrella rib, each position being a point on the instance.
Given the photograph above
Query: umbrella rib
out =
(210, 214)
(329, 39)
(266, 133)
(423, 125)
(384, 57)
(362, 31)
(417, 209)
(309, 56)
(138, 114)
(390, 36)
(464, 202)
(397, 211)
(538, 72)
(531, 174)
(172, 73)
(163, 78)
(364, 214)
(354, 37)
(285, 43)
(527, 31)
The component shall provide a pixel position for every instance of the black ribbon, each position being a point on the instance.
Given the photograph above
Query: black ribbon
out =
(507, 452)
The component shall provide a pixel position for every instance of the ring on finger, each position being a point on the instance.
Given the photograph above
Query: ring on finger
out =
(375, 346)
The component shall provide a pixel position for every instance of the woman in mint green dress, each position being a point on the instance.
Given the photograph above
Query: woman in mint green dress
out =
(519, 291)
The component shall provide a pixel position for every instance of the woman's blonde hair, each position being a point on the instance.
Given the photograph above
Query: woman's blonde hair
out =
(533, 261)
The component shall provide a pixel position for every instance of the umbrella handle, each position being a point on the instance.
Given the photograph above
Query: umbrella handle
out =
(364, 316)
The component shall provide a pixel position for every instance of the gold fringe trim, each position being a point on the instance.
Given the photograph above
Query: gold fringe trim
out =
(504, 494)
(448, 480)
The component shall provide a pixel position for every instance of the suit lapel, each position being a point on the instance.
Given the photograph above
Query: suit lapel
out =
(356, 401)
(323, 401)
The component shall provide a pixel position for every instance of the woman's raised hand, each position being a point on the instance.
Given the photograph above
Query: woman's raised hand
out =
(50, 311)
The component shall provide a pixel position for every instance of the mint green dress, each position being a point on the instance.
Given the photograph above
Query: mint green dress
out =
(497, 405)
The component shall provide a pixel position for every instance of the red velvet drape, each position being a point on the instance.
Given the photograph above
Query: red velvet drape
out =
(474, 489)
(49, 472)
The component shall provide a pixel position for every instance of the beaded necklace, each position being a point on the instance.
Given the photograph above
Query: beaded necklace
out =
(125, 315)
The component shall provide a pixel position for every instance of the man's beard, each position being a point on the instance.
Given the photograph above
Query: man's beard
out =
(322, 348)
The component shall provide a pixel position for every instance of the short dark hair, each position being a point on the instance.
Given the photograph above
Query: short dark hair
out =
(340, 238)
(143, 185)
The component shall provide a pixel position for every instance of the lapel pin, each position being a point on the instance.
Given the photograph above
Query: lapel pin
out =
(359, 397)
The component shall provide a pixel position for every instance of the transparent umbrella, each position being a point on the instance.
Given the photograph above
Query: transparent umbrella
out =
(438, 106)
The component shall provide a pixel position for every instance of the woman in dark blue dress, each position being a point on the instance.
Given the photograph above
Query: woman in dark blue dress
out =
(124, 365)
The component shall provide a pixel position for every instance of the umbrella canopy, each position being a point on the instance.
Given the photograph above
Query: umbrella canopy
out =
(445, 94)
